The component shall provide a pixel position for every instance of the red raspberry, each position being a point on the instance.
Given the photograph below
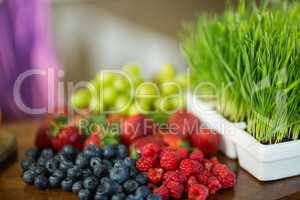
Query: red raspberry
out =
(176, 189)
(144, 164)
(198, 192)
(192, 181)
(213, 185)
(176, 176)
(197, 155)
(190, 167)
(155, 175)
(183, 153)
(208, 165)
(163, 192)
(203, 177)
(214, 160)
(169, 160)
(151, 150)
(225, 176)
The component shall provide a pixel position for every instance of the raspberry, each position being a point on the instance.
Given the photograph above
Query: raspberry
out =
(190, 167)
(198, 192)
(192, 181)
(213, 185)
(163, 192)
(144, 164)
(183, 153)
(151, 150)
(155, 175)
(169, 160)
(197, 155)
(214, 160)
(176, 176)
(203, 177)
(176, 189)
(208, 165)
(226, 177)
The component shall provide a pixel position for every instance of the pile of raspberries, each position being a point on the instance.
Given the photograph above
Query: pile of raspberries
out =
(178, 174)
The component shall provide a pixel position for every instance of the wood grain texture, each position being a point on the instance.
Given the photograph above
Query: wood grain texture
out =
(247, 188)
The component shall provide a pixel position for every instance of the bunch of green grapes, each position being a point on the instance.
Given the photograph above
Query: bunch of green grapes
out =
(126, 92)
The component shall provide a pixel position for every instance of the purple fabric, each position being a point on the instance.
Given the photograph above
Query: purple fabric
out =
(25, 43)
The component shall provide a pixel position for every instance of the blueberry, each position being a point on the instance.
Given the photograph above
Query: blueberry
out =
(39, 170)
(84, 194)
(59, 174)
(108, 151)
(130, 186)
(98, 170)
(47, 153)
(28, 177)
(109, 185)
(67, 184)
(82, 160)
(132, 171)
(90, 183)
(41, 161)
(142, 191)
(86, 173)
(95, 161)
(92, 151)
(119, 174)
(25, 164)
(41, 182)
(119, 163)
(51, 165)
(77, 186)
(54, 181)
(118, 196)
(141, 178)
(32, 153)
(121, 151)
(99, 196)
(70, 152)
(133, 197)
(108, 164)
(103, 189)
(65, 165)
(153, 197)
(74, 173)
(129, 162)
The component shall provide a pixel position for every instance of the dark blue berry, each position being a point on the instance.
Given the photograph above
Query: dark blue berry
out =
(74, 173)
(141, 178)
(82, 160)
(133, 197)
(39, 170)
(84, 194)
(119, 174)
(77, 186)
(95, 161)
(59, 174)
(129, 162)
(118, 196)
(108, 151)
(70, 152)
(26, 164)
(54, 181)
(153, 197)
(67, 184)
(41, 182)
(92, 151)
(51, 165)
(86, 173)
(121, 151)
(99, 196)
(47, 153)
(103, 188)
(119, 163)
(98, 170)
(41, 161)
(109, 185)
(132, 171)
(108, 164)
(28, 177)
(130, 186)
(142, 191)
(90, 183)
(32, 153)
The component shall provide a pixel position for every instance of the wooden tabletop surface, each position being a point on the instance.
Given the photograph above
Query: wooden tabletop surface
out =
(12, 186)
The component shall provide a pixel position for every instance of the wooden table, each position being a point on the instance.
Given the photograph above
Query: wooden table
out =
(13, 188)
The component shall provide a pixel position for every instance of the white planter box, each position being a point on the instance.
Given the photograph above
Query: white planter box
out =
(265, 162)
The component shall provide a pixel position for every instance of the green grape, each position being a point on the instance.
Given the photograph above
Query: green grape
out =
(178, 102)
(170, 87)
(106, 77)
(133, 70)
(122, 103)
(182, 79)
(164, 105)
(143, 106)
(95, 105)
(133, 110)
(109, 95)
(95, 85)
(167, 73)
(81, 98)
(147, 91)
(121, 84)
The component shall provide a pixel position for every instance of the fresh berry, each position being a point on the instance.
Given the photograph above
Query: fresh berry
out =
(92, 151)
(54, 181)
(51, 165)
(77, 186)
(95, 161)
(144, 164)
(203, 177)
(118, 174)
(82, 160)
(70, 152)
(142, 192)
(155, 175)
(197, 192)
(141, 178)
(129, 162)
(109, 151)
(197, 155)
(25, 164)
(153, 197)
(151, 150)
(225, 176)
(41, 182)
(163, 192)
(47, 153)
(175, 141)
(175, 189)
(191, 181)
(28, 177)
(176, 176)
(213, 185)
(130, 186)
(190, 167)
(90, 183)
(74, 173)
(99, 196)
(169, 160)
(206, 140)
(69, 135)
(118, 196)
(67, 184)
(32, 153)
(93, 139)
(86, 173)
(43, 139)
(183, 153)
(183, 123)
(121, 151)
(84, 194)
(139, 143)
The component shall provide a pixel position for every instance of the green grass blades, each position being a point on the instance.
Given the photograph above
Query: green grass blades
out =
(251, 55)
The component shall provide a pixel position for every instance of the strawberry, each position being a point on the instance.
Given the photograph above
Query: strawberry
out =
(134, 127)
(69, 135)
(175, 141)
(183, 123)
(94, 138)
(207, 141)
(42, 139)
(141, 142)
(114, 118)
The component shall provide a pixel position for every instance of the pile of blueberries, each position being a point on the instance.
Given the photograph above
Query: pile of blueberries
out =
(94, 173)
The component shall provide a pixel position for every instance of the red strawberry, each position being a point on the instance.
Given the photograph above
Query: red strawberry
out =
(42, 139)
(175, 141)
(69, 135)
(114, 118)
(94, 139)
(183, 123)
(207, 141)
(134, 127)
(139, 143)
